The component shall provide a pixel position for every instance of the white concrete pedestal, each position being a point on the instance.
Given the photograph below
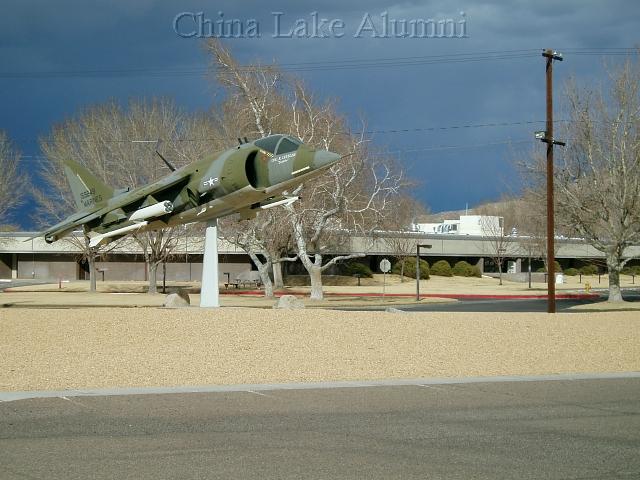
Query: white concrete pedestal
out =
(209, 295)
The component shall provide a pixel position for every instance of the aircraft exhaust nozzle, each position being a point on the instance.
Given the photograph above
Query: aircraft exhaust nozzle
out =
(155, 210)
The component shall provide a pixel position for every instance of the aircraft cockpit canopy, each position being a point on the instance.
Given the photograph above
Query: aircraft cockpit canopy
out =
(278, 144)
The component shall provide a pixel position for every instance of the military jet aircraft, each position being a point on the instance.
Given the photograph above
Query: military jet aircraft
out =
(244, 179)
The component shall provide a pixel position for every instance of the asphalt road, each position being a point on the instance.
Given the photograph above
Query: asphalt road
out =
(580, 429)
(491, 305)
(523, 305)
(20, 283)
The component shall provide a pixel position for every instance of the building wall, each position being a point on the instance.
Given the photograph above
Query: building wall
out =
(47, 266)
(5, 265)
(130, 270)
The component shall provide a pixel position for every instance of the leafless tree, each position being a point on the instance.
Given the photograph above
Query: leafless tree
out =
(118, 146)
(404, 211)
(497, 233)
(598, 177)
(266, 239)
(532, 226)
(350, 198)
(13, 182)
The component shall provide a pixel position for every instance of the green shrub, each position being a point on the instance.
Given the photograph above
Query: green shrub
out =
(465, 269)
(410, 268)
(571, 272)
(442, 269)
(355, 268)
(589, 270)
(633, 270)
(558, 268)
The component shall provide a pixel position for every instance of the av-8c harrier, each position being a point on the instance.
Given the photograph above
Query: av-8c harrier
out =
(244, 179)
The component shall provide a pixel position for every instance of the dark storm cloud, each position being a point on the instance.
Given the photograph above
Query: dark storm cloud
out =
(109, 35)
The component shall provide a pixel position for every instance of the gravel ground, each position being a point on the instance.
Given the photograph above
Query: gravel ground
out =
(99, 348)
(44, 299)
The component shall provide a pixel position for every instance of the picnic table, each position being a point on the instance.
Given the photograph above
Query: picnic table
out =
(249, 279)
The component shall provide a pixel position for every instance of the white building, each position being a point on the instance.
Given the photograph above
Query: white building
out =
(476, 225)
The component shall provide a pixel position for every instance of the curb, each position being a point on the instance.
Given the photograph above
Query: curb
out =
(252, 388)
(456, 296)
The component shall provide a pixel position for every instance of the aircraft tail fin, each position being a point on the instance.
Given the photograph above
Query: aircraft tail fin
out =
(88, 190)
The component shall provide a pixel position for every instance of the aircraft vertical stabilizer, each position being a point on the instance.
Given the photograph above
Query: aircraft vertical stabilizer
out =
(88, 190)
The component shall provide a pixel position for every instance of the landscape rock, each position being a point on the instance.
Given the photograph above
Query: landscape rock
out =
(289, 302)
(180, 299)
(393, 310)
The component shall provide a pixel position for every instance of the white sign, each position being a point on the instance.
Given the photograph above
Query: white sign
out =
(385, 265)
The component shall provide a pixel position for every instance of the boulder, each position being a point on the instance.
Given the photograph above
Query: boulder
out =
(289, 302)
(179, 299)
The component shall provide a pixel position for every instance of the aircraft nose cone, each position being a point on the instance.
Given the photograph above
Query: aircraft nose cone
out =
(324, 158)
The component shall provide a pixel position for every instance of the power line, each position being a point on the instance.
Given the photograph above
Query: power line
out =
(325, 65)
(291, 67)
(366, 132)
(451, 127)
(455, 147)
(328, 66)
(39, 158)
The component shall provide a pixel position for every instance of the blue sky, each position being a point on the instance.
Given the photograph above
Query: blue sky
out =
(427, 94)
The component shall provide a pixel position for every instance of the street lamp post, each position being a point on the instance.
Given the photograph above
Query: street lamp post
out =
(418, 246)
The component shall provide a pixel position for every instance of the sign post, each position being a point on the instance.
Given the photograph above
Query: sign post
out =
(385, 266)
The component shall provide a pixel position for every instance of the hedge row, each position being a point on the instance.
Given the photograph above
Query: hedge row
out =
(571, 272)
(410, 268)
(465, 269)
(355, 268)
(441, 268)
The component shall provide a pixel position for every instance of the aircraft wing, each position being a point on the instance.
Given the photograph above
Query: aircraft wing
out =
(67, 225)
(101, 206)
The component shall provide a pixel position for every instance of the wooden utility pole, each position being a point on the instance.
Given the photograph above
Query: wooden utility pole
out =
(550, 55)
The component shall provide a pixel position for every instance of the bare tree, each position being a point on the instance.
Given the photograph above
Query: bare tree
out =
(266, 239)
(497, 232)
(500, 245)
(598, 177)
(403, 213)
(532, 225)
(13, 182)
(350, 199)
(118, 146)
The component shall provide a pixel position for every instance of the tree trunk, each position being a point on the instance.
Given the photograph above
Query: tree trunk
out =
(164, 277)
(263, 270)
(277, 275)
(315, 274)
(401, 269)
(614, 267)
(91, 258)
(266, 280)
(314, 269)
(500, 271)
(153, 271)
